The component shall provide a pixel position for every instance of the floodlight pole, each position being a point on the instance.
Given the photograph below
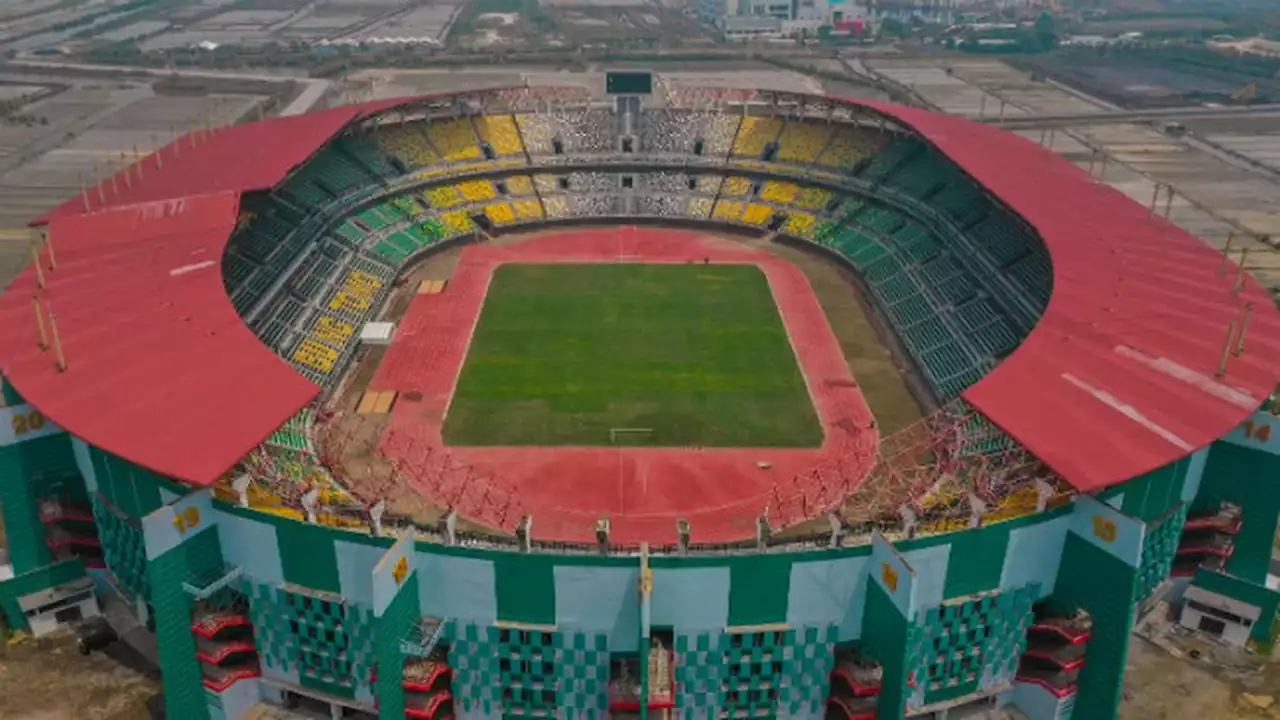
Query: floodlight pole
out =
(57, 341)
(1226, 349)
(1244, 325)
(84, 190)
(1244, 257)
(46, 239)
(44, 340)
(35, 260)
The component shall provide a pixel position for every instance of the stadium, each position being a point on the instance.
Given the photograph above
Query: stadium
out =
(530, 402)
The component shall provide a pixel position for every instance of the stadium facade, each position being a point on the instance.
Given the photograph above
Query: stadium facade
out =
(1104, 430)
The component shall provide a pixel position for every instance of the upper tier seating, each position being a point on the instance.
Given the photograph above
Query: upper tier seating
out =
(501, 134)
(754, 135)
(802, 140)
(907, 166)
(577, 130)
(935, 306)
(408, 144)
(678, 131)
(941, 274)
(455, 138)
(848, 147)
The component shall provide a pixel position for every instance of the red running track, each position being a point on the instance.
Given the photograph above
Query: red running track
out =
(642, 490)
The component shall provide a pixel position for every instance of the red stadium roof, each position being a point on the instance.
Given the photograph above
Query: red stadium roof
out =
(1119, 376)
(160, 369)
(1116, 380)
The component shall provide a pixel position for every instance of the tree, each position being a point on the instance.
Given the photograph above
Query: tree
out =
(1046, 31)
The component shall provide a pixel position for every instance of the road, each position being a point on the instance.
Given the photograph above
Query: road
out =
(1026, 122)
(315, 88)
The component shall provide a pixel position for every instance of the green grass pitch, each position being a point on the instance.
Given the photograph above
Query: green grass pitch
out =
(564, 353)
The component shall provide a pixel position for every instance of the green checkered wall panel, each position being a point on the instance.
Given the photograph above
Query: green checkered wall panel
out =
(1008, 638)
(961, 647)
(474, 659)
(524, 672)
(807, 659)
(583, 663)
(754, 673)
(1159, 545)
(700, 673)
(327, 641)
(124, 550)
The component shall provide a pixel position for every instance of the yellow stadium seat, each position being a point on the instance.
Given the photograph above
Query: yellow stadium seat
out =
(501, 134)
(500, 213)
(800, 224)
(779, 192)
(444, 196)
(848, 146)
(755, 134)
(519, 185)
(455, 139)
(757, 214)
(735, 186)
(527, 209)
(727, 210)
(457, 221)
(802, 140)
(812, 198)
(407, 144)
(477, 190)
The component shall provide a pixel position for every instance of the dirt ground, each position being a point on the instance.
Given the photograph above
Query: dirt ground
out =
(1159, 686)
(47, 679)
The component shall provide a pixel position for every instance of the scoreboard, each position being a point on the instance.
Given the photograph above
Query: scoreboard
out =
(628, 82)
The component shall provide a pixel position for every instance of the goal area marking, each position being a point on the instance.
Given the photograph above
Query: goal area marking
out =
(615, 433)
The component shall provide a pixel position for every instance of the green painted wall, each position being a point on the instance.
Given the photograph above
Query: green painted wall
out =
(396, 622)
(30, 471)
(525, 587)
(10, 393)
(1244, 591)
(23, 530)
(1149, 497)
(1250, 479)
(758, 589)
(307, 556)
(976, 560)
(196, 558)
(1091, 578)
(884, 637)
(130, 489)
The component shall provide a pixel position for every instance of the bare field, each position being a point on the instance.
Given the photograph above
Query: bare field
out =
(47, 679)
